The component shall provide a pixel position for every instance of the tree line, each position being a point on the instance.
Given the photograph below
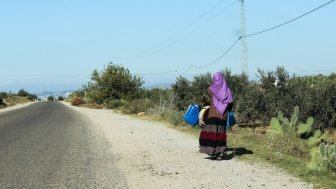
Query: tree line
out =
(13, 98)
(255, 102)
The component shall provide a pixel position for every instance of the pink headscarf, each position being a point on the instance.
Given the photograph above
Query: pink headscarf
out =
(222, 94)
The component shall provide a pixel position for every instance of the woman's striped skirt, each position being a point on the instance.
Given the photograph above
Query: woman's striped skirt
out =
(213, 136)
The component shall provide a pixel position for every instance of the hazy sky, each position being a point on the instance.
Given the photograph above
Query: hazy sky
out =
(55, 45)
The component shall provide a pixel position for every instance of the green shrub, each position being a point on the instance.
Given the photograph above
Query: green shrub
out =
(92, 105)
(137, 105)
(3, 95)
(164, 106)
(23, 93)
(116, 103)
(50, 98)
(182, 89)
(290, 145)
(114, 82)
(176, 118)
(32, 97)
(2, 105)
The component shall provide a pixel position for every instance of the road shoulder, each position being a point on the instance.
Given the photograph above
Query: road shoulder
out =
(17, 106)
(154, 156)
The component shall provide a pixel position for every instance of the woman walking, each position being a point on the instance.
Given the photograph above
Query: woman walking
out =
(213, 135)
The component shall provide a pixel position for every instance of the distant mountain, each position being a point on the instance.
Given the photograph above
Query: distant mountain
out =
(159, 85)
(45, 94)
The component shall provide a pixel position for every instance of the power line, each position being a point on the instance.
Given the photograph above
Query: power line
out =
(159, 73)
(187, 26)
(277, 26)
(213, 62)
(191, 66)
(197, 28)
(256, 33)
(216, 60)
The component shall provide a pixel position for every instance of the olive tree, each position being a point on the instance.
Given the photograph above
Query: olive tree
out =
(182, 90)
(114, 82)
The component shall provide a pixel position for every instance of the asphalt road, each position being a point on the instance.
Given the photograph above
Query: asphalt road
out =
(48, 145)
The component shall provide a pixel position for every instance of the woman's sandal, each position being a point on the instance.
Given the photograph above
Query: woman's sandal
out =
(217, 156)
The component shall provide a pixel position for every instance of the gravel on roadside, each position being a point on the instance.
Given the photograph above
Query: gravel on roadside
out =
(152, 155)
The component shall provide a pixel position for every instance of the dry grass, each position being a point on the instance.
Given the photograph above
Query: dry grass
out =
(332, 135)
(12, 100)
(92, 105)
(291, 154)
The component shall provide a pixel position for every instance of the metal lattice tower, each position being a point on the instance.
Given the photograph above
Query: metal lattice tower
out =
(243, 39)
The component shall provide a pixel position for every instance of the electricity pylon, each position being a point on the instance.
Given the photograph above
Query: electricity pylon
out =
(243, 55)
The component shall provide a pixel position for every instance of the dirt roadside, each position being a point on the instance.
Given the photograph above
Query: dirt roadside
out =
(17, 106)
(152, 155)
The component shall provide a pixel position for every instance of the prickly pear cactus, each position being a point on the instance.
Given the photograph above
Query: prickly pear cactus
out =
(281, 124)
(280, 116)
(323, 157)
(305, 128)
(328, 154)
(316, 162)
(276, 126)
(317, 138)
(294, 118)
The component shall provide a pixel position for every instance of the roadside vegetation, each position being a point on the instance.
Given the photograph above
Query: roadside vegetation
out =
(11, 99)
(286, 120)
